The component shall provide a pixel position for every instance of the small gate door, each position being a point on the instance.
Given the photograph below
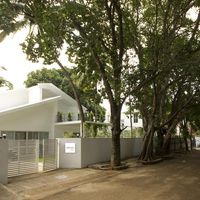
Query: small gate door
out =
(23, 157)
(49, 154)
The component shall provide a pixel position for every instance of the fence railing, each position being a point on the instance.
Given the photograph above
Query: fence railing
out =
(23, 157)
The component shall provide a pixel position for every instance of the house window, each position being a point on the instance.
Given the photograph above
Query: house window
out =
(23, 135)
(43, 135)
(38, 135)
(135, 117)
(20, 135)
(33, 135)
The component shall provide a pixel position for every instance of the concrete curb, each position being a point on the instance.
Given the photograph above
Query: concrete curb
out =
(8, 194)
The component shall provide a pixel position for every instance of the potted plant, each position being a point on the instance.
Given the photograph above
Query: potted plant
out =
(69, 116)
(59, 117)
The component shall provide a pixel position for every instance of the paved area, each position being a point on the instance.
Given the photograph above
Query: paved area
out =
(176, 179)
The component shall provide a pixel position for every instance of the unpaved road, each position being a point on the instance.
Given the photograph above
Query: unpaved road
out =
(176, 179)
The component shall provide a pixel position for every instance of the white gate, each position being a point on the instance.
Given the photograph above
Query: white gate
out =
(23, 156)
(50, 154)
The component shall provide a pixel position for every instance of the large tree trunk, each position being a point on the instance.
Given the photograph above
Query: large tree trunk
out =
(116, 132)
(115, 155)
(167, 140)
(186, 143)
(166, 145)
(160, 140)
(147, 148)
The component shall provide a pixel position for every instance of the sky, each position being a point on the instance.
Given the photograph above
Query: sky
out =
(14, 60)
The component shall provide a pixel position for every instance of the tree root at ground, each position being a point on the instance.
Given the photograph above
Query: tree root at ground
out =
(107, 166)
(150, 162)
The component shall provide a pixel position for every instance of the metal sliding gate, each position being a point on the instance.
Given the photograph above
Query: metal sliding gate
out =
(49, 154)
(23, 157)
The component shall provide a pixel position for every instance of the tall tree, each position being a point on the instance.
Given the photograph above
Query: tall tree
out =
(166, 39)
(97, 42)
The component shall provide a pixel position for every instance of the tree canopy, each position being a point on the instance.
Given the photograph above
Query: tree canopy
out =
(88, 96)
(4, 82)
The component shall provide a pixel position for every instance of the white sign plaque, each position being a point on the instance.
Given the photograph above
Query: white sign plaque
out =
(70, 147)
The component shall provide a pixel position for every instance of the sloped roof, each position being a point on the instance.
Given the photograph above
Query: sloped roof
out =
(29, 105)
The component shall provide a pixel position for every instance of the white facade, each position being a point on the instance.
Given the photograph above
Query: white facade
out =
(33, 111)
(136, 120)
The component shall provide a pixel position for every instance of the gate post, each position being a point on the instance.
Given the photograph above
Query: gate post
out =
(3, 161)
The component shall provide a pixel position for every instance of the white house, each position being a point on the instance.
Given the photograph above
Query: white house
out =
(38, 112)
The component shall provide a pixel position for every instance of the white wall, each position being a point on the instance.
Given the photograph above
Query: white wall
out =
(70, 160)
(37, 118)
(130, 147)
(95, 150)
(13, 98)
(59, 131)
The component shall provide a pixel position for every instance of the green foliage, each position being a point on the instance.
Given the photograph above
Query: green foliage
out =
(59, 117)
(54, 76)
(70, 135)
(96, 130)
(89, 97)
(4, 82)
(137, 132)
(69, 116)
(90, 116)
(197, 133)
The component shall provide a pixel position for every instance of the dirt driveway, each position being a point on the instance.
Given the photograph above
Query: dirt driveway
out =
(176, 179)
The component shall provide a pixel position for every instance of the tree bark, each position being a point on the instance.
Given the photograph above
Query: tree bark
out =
(186, 143)
(166, 145)
(115, 155)
(116, 132)
(147, 149)
(160, 140)
(167, 140)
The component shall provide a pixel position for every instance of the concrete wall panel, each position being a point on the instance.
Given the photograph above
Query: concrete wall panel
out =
(95, 150)
(69, 160)
(3, 161)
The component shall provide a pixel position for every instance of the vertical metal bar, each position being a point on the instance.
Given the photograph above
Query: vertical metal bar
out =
(43, 152)
(18, 156)
(37, 153)
(57, 153)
